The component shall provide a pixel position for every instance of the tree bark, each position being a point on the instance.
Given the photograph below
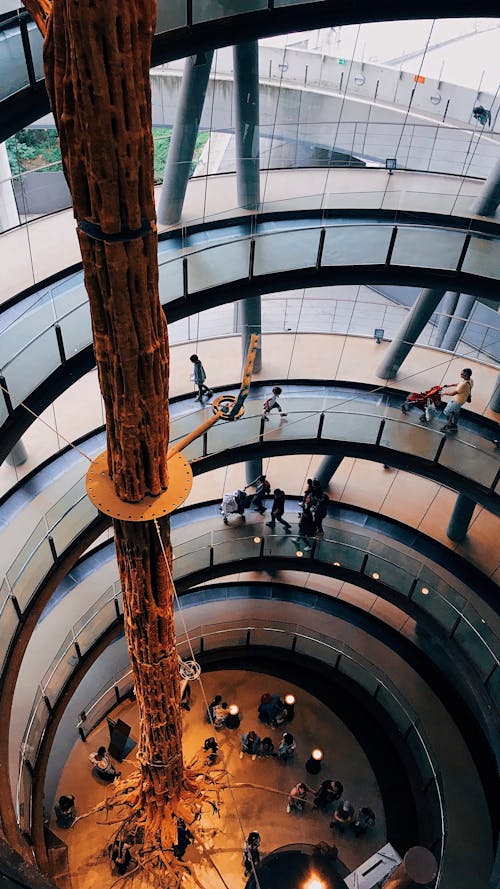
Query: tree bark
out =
(97, 59)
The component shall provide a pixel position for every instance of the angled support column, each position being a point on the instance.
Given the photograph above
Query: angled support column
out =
(246, 112)
(457, 323)
(409, 332)
(327, 469)
(184, 134)
(450, 301)
(18, 455)
(460, 518)
(494, 402)
(489, 199)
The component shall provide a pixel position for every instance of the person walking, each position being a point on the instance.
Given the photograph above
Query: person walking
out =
(271, 403)
(461, 393)
(319, 512)
(329, 792)
(262, 490)
(277, 510)
(297, 798)
(306, 528)
(199, 376)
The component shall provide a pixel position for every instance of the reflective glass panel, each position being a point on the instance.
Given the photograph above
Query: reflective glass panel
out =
(170, 280)
(346, 426)
(76, 330)
(427, 248)
(73, 523)
(483, 257)
(218, 265)
(171, 14)
(36, 726)
(215, 637)
(469, 639)
(394, 709)
(284, 251)
(13, 72)
(36, 46)
(314, 649)
(56, 677)
(472, 462)
(356, 245)
(96, 626)
(204, 10)
(32, 366)
(8, 623)
(359, 673)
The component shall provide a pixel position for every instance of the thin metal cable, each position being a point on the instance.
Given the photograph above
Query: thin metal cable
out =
(204, 695)
(52, 428)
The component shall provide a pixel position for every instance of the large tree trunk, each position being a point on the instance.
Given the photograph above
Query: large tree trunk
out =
(97, 58)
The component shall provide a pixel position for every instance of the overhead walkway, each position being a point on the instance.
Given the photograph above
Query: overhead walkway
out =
(186, 27)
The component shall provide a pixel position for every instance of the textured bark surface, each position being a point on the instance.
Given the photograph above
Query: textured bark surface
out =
(97, 57)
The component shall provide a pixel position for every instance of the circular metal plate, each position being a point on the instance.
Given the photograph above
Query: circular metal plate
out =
(101, 491)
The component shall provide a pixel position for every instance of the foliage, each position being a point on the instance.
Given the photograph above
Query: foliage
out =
(38, 149)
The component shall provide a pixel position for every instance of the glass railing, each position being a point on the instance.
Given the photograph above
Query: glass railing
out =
(56, 326)
(408, 579)
(338, 656)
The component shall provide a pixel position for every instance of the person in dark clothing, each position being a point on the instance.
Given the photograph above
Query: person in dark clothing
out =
(251, 854)
(186, 697)
(199, 377)
(306, 528)
(262, 490)
(277, 510)
(211, 747)
(320, 513)
(184, 839)
(268, 707)
(364, 820)
(266, 747)
(343, 816)
(65, 811)
(329, 792)
(217, 701)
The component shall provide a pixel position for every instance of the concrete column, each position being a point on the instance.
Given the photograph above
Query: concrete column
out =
(494, 403)
(253, 468)
(248, 320)
(456, 326)
(18, 455)
(9, 217)
(412, 327)
(417, 867)
(246, 110)
(448, 307)
(185, 131)
(327, 469)
(489, 199)
(460, 518)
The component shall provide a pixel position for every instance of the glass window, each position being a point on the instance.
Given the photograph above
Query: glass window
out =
(284, 251)
(218, 265)
(205, 10)
(13, 72)
(171, 14)
(427, 248)
(483, 257)
(356, 245)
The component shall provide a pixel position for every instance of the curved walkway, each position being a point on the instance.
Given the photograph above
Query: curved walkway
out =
(43, 248)
(186, 27)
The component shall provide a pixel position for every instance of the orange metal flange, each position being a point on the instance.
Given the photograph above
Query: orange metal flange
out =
(101, 491)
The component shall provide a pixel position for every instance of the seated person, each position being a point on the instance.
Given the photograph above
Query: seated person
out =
(120, 856)
(65, 811)
(364, 820)
(297, 798)
(268, 707)
(212, 748)
(211, 707)
(286, 747)
(250, 743)
(101, 761)
(343, 815)
(266, 747)
(329, 792)
(221, 712)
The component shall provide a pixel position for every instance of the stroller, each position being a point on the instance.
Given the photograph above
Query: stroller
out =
(429, 402)
(236, 502)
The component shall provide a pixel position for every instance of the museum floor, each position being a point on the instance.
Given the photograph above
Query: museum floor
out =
(257, 796)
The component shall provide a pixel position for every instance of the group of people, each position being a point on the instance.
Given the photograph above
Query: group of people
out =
(314, 507)
(198, 376)
(328, 799)
(255, 746)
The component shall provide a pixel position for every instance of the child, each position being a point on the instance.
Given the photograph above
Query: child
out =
(272, 402)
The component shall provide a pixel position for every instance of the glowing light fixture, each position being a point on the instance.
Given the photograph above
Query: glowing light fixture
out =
(290, 700)
(299, 554)
(256, 540)
(376, 575)
(317, 754)
(313, 764)
(425, 591)
(337, 564)
(234, 709)
(313, 882)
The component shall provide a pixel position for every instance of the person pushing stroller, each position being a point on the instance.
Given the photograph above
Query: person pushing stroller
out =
(428, 402)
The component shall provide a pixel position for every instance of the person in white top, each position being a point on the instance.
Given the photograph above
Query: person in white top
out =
(272, 403)
(461, 393)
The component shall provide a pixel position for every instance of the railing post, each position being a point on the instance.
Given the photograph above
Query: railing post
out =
(320, 425)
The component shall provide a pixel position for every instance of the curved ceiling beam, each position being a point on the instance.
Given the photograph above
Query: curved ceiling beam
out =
(191, 37)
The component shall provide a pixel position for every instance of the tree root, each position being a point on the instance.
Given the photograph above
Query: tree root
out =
(152, 831)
